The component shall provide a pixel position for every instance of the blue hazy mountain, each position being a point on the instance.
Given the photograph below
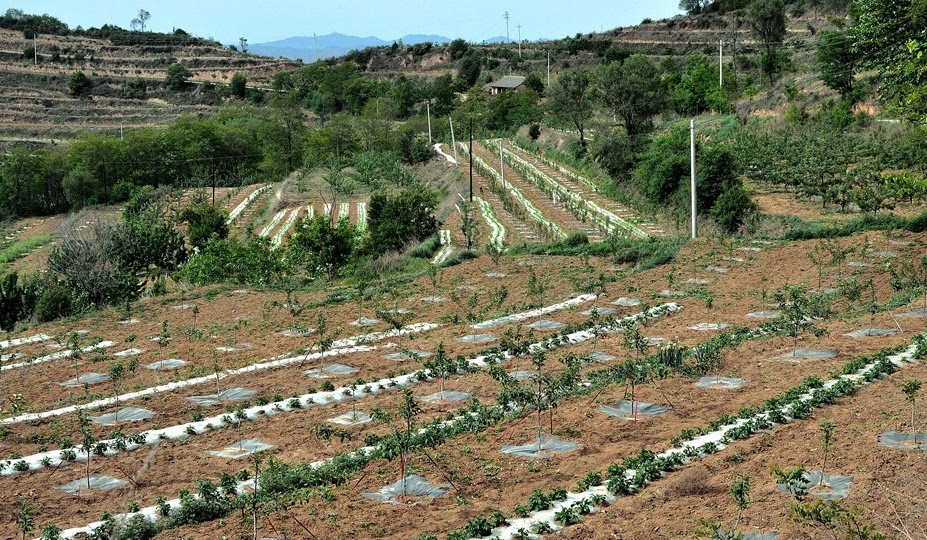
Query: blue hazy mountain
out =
(329, 45)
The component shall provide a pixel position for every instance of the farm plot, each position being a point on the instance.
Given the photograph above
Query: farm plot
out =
(245, 203)
(514, 201)
(508, 477)
(580, 194)
(557, 205)
(270, 412)
(471, 465)
(502, 208)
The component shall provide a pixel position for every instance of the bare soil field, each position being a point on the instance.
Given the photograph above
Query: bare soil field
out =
(478, 476)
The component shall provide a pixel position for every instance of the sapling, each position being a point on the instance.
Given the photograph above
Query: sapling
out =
(816, 255)
(256, 460)
(396, 317)
(799, 311)
(360, 295)
(537, 360)
(117, 371)
(495, 251)
(469, 225)
(563, 384)
(407, 411)
(910, 388)
(163, 339)
(324, 341)
(87, 438)
(25, 518)
(740, 491)
(77, 353)
(440, 365)
(195, 312)
(827, 437)
(216, 370)
(872, 305)
(634, 341)
(535, 286)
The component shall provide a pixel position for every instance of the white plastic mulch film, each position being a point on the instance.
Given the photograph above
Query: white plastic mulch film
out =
(96, 482)
(232, 394)
(626, 409)
(241, 449)
(128, 414)
(542, 447)
(413, 486)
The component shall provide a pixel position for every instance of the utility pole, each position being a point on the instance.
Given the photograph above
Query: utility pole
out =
(35, 48)
(548, 69)
(519, 39)
(453, 142)
(506, 17)
(692, 181)
(428, 112)
(315, 47)
(471, 159)
(721, 63)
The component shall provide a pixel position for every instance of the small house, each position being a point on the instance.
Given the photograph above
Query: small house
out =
(509, 83)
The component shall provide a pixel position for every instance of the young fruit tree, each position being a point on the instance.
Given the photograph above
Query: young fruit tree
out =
(537, 360)
(740, 491)
(910, 388)
(800, 311)
(407, 411)
(25, 519)
(827, 437)
(163, 339)
(636, 370)
(87, 438)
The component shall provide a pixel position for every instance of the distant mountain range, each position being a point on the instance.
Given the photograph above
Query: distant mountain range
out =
(331, 45)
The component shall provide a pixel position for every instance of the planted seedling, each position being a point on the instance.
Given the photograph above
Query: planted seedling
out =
(87, 439)
(469, 225)
(407, 411)
(800, 311)
(537, 360)
(163, 339)
(440, 366)
(25, 518)
(117, 370)
(216, 371)
(827, 437)
(395, 317)
(740, 491)
(910, 388)
(634, 341)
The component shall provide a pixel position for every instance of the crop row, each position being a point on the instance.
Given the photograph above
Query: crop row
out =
(581, 208)
(338, 395)
(527, 211)
(546, 512)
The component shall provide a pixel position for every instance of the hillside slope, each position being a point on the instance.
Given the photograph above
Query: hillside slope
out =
(34, 103)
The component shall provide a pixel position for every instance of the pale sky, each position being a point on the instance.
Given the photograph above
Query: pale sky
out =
(270, 20)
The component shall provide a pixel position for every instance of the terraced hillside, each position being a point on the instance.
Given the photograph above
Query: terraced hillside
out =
(34, 102)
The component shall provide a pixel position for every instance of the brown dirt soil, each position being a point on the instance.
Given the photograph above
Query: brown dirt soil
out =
(485, 478)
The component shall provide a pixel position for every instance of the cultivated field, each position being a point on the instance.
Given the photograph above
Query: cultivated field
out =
(255, 348)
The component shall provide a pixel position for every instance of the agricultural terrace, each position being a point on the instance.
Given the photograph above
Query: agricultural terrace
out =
(211, 374)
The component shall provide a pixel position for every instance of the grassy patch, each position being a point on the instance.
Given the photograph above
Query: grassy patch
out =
(869, 222)
(20, 249)
(646, 253)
